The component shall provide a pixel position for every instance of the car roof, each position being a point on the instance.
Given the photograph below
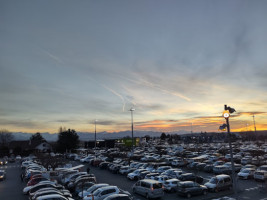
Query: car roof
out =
(222, 176)
(150, 181)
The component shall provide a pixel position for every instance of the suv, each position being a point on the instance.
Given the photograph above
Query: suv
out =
(149, 188)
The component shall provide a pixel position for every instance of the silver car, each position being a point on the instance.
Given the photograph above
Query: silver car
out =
(148, 188)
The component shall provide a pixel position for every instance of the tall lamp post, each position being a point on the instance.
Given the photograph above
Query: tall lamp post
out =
(95, 134)
(227, 111)
(254, 126)
(132, 109)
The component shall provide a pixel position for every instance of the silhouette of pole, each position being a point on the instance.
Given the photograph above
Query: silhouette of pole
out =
(231, 151)
(95, 134)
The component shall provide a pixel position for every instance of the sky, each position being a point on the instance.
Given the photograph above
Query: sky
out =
(177, 63)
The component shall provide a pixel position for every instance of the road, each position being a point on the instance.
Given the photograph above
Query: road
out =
(12, 187)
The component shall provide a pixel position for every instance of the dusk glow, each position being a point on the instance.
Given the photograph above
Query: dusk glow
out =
(67, 63)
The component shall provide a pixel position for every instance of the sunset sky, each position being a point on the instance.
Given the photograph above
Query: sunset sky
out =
(66, 63)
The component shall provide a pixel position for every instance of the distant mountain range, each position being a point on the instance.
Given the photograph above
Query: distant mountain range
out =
(86, 136)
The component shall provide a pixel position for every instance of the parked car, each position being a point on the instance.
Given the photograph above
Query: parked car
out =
(134, 175)
(2, 175)
(191, 177)
(48, 191)
(260, 175)
(91, 189)
(148, 188)
(221, 169)
(246, 173)
(171, 185)
(104, 192)
(208, 168)
(119, 197)
(53, 196)
(190, 188)
(219, 182)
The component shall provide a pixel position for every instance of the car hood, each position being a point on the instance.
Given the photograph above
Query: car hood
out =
(242, 174)
(210, 185)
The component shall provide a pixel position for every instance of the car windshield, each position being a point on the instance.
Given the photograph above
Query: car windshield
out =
(245, 171)
(157, 185)
(95, 193)
(213, 180)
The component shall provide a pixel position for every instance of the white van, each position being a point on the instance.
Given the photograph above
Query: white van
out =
(149, 188)
(219, 182)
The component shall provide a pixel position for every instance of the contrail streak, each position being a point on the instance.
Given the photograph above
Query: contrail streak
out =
(118, 95)
(52, 56)
(151, 85)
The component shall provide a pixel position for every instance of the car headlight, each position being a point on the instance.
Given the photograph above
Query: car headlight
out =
(1, 176)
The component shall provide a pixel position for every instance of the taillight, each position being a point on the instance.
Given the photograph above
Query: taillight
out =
(152, 189)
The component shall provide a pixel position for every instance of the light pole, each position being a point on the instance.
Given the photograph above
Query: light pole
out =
(95, 134)
(226, 114)
(132, 109)
(254, 126)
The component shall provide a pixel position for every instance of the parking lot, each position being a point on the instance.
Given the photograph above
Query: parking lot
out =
(248, 189)
(12, 187)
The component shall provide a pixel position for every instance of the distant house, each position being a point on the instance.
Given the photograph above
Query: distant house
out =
(40, 146)
(25, 147)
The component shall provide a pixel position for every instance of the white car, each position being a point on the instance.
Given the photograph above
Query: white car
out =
(28, 188)
(103, 192)
(54, 196)
(91, 189)
(246, 173)
(134, 175)
(170, 185)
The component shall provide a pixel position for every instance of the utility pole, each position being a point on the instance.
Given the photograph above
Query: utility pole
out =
(226, 114)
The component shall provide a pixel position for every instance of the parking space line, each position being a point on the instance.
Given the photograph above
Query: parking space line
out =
(253, 188)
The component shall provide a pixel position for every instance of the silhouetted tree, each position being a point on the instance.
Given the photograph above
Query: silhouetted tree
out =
(36, 138)
(147, 137)
(5, 137)
(67, 140)
(163, 136)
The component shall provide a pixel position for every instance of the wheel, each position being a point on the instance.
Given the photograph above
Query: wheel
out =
(147, 196)
(216, 190)
(134, 191)
(204, 192)
(172, 190)
(188, 195)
